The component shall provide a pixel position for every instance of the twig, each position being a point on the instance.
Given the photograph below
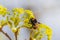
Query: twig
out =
(5, 34)
(16, 33)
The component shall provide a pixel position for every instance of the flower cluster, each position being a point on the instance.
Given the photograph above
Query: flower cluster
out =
(18, 11)
(41, 32)
(3, 10)
(30, 14)
(14, 19)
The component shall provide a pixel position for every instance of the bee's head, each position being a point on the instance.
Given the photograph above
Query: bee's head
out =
(34, 22)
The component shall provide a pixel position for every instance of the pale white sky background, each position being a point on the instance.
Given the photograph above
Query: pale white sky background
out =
(46, 11)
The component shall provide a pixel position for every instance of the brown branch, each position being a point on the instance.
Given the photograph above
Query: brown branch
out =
(30, 38)
(16, 33)
(5, 34)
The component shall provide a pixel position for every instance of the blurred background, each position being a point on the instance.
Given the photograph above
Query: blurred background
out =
(46, 11)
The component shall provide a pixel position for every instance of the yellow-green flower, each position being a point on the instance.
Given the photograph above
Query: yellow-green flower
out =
(3, 22)
(29, 14)
(3, 10)
(15, 9)
(14, 29)
(27, 25)
(34, 39)
(48, 31)
(26, 20)
(0, 26)
(16, 20)
(20, 10)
